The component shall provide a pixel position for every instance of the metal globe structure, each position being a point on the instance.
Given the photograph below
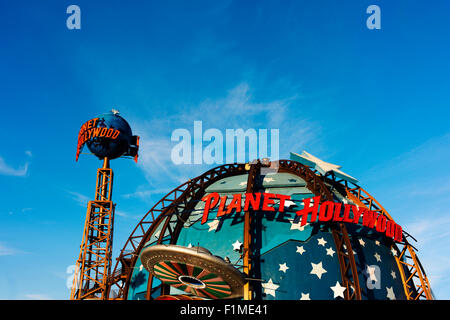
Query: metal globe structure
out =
(107, 136)
(270, 253)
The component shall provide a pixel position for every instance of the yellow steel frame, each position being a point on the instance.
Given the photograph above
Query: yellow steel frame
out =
(94, 263)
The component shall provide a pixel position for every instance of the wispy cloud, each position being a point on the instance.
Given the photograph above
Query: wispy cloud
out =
(127, 215)
(8, 170)
(145, 194)
(81, 199)
(240, 109)
(6, 250)
(433, 237)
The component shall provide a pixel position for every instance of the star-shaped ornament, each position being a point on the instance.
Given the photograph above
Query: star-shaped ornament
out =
(317, 269)
(394, 276)
(321, 242)
(213, 225)
(300, 250)
(270, 287)
(377, 256)
(330, 251)
(297, 226)
(338, 290)
(394, 252)
(283, 267)
(305, 296)
(323, 167)
(237, 246)
(361, 242)
(390, 293)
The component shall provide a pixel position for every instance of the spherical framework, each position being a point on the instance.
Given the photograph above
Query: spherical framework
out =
(279, 258)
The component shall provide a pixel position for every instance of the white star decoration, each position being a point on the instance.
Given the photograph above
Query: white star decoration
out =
(330, 251)
(283, 267)
(361, 242)
(317, 269)
(237, 245)
(377, 256)
(322, 166)
(338, 290)
(377, 242)
(300, 250)
(394, 276)
(321, 242)
(305, 296)
(394, 253)
(296, 226)
(270, 287)
(213, 225)
(390, 293)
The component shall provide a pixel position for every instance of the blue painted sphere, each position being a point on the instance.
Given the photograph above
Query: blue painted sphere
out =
(106, 146)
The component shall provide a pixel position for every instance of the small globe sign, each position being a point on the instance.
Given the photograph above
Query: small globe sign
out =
(108, 136)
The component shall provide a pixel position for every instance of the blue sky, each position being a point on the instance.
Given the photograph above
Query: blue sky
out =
(374, 101)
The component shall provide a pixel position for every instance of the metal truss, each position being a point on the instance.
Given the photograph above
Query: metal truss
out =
(415, 282)
(94, 263)
(254, 172)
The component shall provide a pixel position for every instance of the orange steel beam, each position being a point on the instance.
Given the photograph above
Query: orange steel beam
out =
(413, 290)
(251, 179)
(94, 263)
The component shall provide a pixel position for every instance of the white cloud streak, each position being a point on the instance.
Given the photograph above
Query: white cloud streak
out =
(7, 250)
(7, 170)
(81, 199)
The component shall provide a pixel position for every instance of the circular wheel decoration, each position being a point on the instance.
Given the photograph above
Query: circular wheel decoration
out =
(193, 270)
(192, 279)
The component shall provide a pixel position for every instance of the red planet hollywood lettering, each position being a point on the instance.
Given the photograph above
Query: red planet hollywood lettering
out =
(89, 130)
(327, 211)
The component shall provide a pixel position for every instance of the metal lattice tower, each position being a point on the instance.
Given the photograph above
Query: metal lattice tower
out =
(93, 266)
